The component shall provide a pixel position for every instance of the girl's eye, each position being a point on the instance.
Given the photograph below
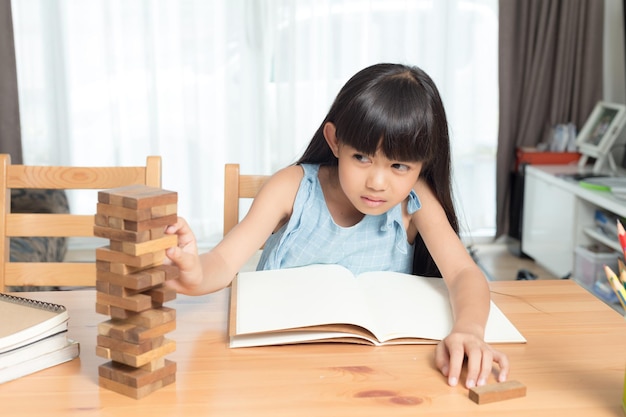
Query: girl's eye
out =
(361, 158)
(400, 167)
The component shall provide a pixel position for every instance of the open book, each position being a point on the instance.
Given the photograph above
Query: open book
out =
(327, 303)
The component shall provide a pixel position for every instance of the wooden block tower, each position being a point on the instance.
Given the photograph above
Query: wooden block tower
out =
(129, 289)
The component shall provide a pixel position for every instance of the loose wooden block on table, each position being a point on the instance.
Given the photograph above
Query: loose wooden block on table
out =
(497, 392)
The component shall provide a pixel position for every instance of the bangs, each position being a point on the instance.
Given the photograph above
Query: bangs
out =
(392, 116)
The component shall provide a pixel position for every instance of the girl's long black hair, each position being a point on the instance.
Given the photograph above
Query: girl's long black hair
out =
(395, 108)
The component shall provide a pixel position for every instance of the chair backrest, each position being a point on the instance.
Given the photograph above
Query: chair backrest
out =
(237, 186)
(57, 225)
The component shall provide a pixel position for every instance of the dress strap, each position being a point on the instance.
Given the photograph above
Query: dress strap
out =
(414, 203)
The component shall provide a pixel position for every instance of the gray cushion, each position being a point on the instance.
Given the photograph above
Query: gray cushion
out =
(38, 249)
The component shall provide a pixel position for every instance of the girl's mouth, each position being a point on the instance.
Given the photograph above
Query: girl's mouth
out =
(372, 201)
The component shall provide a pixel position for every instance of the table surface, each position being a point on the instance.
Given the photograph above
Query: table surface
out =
(572, 365)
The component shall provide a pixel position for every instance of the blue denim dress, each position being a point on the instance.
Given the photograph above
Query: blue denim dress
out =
(376, 243)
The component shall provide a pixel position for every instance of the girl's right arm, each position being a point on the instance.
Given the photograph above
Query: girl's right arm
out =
(214, 270)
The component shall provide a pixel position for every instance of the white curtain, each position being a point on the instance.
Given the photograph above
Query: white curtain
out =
(206, 82)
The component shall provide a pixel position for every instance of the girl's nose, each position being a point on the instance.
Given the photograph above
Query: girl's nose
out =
(376, 179)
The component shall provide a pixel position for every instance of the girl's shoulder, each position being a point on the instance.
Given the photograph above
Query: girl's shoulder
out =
(291, 174)
(284, 182)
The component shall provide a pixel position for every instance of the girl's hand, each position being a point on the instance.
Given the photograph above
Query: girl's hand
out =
(451, 352)
(185, 257)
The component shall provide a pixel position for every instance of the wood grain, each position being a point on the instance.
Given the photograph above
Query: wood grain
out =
(573, 365)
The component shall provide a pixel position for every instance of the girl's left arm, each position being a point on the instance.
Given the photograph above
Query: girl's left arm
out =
(469, 297)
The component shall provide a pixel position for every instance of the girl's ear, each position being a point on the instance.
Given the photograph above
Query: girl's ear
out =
(331, 138)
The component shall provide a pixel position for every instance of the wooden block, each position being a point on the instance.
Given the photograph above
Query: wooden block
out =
(137, 302)
(136, 393)
(120, 313)
(161, 294)
(104, 266)
(143, 280)
(101, 220)
(115, 312)
(135, 248)
(103, 309)
(107, 221)
(160, 222)
(119, 290)
(114, 223)
(144, 333)
(130, 332)
(135, 377)
(165, 210)
(119, 234)
(170, 271)
(116, 329)
(137, 197)
(118, 268)
(103, 352)
(149, 318)
(123, 269)
(497, 392)
(139, 261)
(153, 317)
(157, 232)
(102, 286)
(137, 360)
(132, 348)
(123, 213)
(154, 365)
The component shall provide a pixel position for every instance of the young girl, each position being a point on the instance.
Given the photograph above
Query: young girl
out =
(371, 192)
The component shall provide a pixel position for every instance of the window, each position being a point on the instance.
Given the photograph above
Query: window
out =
(203, 83)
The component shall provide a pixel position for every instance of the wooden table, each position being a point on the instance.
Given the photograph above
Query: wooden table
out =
(572, 365)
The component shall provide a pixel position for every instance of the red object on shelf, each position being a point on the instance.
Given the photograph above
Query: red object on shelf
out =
(534, 157)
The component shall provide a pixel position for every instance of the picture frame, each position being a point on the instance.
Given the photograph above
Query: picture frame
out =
(598, 134)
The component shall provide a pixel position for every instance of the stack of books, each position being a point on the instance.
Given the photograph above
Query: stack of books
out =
(33, 336)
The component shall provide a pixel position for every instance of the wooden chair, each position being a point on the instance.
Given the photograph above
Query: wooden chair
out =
(237, 186)
(57, 225)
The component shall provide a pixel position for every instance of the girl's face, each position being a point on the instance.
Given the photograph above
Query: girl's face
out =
(373, 183)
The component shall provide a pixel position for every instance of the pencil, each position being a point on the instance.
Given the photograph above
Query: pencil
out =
(617, 286)
(622, 271)
(621, 235)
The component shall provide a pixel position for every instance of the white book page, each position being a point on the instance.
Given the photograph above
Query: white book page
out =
(407, 305)
(298, 297)
(500, 329)
(412, 306)
(280, 338)
(399, 305)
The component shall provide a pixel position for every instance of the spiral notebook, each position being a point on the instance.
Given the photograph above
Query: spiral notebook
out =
(24, 321)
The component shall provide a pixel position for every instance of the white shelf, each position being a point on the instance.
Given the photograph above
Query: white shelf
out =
(559, 216)
(599, 236)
